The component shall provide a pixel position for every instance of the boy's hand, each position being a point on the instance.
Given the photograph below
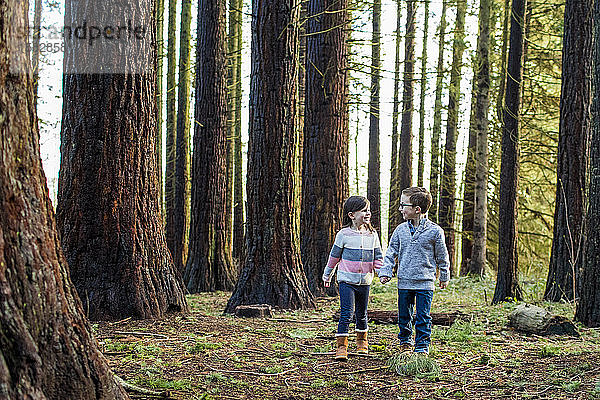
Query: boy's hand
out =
(384, 279)
(327, 284)
(443, 285)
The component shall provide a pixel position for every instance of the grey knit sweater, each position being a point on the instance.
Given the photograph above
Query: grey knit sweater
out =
(418, 255)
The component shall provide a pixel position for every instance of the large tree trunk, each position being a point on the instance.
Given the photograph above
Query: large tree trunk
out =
(448, 180)
(373, 178)
(588, 307)
(160, 47)
(422, 112)
(394, 217)
(482, 88)
(47, 350)
(181, 213)
(35, 48)
(324, 173)
(434, 175)
(171, 126)
(405, 149)
(466, 235)
(272, 272)
(507, 282)
(210, 266)
(502, 72)
(107, 211)
(573, 136)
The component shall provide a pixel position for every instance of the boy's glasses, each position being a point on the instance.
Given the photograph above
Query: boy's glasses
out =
(406, 205)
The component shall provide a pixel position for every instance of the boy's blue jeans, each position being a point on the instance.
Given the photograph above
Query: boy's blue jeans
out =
(354, 299)
(407, 299)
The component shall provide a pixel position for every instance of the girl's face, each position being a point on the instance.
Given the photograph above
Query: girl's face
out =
(359, 218)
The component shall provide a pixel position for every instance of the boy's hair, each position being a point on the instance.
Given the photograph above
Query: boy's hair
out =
(419, 196)
(354, 204)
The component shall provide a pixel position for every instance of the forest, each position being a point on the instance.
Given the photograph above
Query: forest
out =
(172, 176)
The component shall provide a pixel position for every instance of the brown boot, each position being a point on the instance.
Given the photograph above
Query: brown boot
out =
(362, 346)
(342, 348)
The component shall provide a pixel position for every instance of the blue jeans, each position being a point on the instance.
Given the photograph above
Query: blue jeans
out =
(354, 299)
(407, 299)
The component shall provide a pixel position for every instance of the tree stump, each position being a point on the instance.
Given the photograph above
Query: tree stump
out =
(532, 319)
(391, 317)
(253, 311)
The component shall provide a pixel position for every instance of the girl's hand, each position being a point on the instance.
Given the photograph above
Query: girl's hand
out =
(327, 284)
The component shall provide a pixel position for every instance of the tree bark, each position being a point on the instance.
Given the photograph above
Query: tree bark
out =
(466, 235)
(507, 282)
(47, 350)
(160, 46)
(325, 156)
(448, 180)
(394, 217)
(482, 76)
(210, 265)
(588, 307)
(405, 150)
(182, 142)
(272, 272)
(573, 137)
(35, 49)
(108, 212)
(421, 165)
(373, 178)
(434, 176)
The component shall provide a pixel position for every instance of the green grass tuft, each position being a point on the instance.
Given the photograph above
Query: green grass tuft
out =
(416, 365)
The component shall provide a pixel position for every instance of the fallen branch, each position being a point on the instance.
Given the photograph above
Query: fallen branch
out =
(158, 335)
(251, 372)
(136, 389)
(362, 370)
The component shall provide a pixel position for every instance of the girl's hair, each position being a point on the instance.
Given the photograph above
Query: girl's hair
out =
(353, 204)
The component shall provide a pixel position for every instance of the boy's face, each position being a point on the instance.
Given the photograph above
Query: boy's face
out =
(408, 210)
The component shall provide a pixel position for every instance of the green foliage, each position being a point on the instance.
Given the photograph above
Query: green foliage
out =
(549, 351)
(202, 347)
(301, 334)
(416, 365)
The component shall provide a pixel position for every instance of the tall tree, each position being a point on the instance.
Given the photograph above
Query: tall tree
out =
(210, 266)
(507, 282)
(35, 48)
(47, 350)
(181, 213)
(434, 175)
(588, 307)
(573, 136)
(466, 234)
(108, 211)
(482, 90)
(160, 46)
(420, 164)
(394, 212)
(272, 271)
(405, 149)
(448, 180)
(373, 178)
(502, 77)
(324, 173)
(171, 126)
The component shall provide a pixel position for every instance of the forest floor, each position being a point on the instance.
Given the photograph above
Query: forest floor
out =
(207, 355)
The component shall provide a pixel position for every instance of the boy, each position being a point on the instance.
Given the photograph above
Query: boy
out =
(420, 248)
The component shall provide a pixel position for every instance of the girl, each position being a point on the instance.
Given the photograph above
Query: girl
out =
(358, 252)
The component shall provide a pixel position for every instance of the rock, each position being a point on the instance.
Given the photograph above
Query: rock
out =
(253, 311)
(533, 319)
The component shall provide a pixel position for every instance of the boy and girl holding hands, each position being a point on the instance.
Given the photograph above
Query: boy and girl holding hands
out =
(418, 245)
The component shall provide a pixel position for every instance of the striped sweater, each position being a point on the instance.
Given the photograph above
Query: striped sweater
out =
(357, 254)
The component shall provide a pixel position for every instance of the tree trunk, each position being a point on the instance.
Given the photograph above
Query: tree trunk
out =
(171, 127)
(507, 282)
(448, 181)
(210, 265)
(160, 46)
(272, 272)
(434, 176)
(421, 166)
(373, 178)
(35, 49)
(469, 185)
(502, 77)
(238, 190)
(573, 136)
(324, 172)
(107, 210)
(588, 307)
(405, 150)
(482, 76)
(47, 350)
(394, 217)
(182, 142)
